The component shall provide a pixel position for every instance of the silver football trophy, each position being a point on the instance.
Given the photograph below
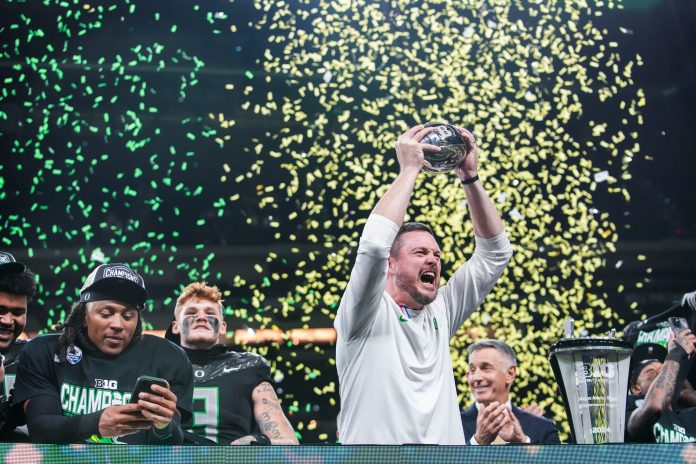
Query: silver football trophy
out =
(453, 147)
(592, 373)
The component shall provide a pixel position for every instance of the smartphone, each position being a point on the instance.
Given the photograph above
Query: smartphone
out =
(678, 324)
(144, 383)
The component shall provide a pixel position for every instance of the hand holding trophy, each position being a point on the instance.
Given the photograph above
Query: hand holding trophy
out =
(454, 147)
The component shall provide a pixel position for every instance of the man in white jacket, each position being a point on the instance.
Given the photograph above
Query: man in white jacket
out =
(394, 324)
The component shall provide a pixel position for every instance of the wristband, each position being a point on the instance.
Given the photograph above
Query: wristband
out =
(677, 354)
(167, 431)
(261, 439)
(470, 180)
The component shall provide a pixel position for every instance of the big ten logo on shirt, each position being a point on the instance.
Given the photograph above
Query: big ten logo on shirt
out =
(107, 384)
(77, 399)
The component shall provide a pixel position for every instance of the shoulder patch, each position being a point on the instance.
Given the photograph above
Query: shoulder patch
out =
(232, 362)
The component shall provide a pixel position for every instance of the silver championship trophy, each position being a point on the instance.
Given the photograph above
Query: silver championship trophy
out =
(453, 147)
(592, 373)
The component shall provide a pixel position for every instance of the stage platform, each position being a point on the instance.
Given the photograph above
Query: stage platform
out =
(122, 454)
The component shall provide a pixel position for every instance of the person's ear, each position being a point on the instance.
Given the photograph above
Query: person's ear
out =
(510, 375)
(391, 263)
(175, 328)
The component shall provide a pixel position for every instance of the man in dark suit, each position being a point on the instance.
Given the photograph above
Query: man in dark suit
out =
(493, 419)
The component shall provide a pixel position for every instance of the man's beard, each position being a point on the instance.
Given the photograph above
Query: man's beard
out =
(413, 292)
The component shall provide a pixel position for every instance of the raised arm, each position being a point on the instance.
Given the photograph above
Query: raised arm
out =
(409, 152)
(484, 216)
(368, 277)
(661, 391)
(467, 289)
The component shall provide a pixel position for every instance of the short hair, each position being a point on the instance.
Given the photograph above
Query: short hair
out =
(498, 345)
(409, 227)
(199, 290)
(18, 283)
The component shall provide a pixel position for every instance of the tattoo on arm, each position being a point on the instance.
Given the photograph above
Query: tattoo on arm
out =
(271, 404)
(270, 417)
(268, 425)
(264, 387)
(659, 394)
(668, 381)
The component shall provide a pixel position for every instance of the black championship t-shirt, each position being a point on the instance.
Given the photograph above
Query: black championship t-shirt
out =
(223, 385)
(11, 363)
(676, 426)
(91, 381)
(633, 402)
(10, 418)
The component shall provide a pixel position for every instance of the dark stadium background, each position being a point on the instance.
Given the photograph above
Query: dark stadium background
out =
(658, 222)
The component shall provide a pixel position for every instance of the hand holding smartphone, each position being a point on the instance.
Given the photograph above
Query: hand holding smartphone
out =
(144, 384)
(678, 324)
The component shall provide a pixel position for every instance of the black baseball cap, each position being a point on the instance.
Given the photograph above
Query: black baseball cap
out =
(10, 265)
(638, 368)
(114, 281)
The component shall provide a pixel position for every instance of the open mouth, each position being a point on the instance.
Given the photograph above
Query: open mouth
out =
(6, 332)
(428, 278)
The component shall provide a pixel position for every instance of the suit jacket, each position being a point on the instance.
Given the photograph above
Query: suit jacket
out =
(540, 430)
